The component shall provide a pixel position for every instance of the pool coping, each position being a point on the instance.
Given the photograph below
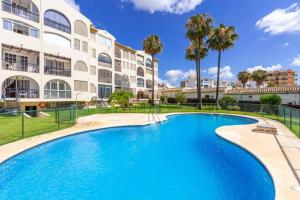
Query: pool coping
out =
(279, 166)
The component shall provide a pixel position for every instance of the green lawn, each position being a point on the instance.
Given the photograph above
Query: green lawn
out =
(11, 126)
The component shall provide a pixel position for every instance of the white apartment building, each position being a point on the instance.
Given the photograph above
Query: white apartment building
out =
(52, 54)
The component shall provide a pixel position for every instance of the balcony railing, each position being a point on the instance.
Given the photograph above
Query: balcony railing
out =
(118, 55)
(53, 94)
(104, 64)
(56, 25)
(58, 72)
(22, 93)
(28, 67)
(20, 12)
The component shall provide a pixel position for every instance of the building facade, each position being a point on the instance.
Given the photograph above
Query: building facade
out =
(51, 54)
(191, 82)
(283, 78)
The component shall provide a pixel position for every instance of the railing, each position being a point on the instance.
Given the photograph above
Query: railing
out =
(104, 64)
(58, 72)
(56, 25)
(24, 67)
(54, 94)
(20, 12)
(105, 79)
(118, 55)
(22, 93)
(118, 67)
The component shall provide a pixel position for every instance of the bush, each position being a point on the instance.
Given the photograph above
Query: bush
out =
(163, 99)
(227, 101)
(233, 108)
(271, 99)
(120, 99)
(180, 97)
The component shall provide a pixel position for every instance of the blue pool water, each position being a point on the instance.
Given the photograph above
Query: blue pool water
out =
(181, 159)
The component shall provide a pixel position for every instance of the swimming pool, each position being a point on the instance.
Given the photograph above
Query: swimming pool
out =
(181, 159)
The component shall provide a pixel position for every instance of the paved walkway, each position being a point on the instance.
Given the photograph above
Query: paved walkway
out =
(280, 154)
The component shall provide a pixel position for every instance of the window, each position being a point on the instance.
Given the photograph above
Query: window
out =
(93, 88)
(81, 66)
(81, 86)
(105, 41)
(104, 91)
(132, 57)
(140, 82)
(80, 28)
(118, 67)
(133, 79)
(57, 39)
(140, 71)
(10, 58)
(132, 67)
(118, 80)
(125, 54)
(140, 60)
(57, 21)
(20, 28)
(104, 76)
(93, 70)
(93, 37)
(77, 44)
(94, 53)
(57, 89)
(58, 66)
(85, 47)
(148, 63)
(104, 60)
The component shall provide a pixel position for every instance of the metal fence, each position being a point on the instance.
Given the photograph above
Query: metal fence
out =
(17, 125)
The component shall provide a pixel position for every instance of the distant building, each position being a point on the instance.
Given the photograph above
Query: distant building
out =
(283, 78)
(191, 82)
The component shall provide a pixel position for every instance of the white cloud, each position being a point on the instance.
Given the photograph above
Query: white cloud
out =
(271, 68)
(166, 82)
(176, 75)
(281, 21)
(296, 61)
(286, 44)
(170, 6)
(225, 72)
(73, 4)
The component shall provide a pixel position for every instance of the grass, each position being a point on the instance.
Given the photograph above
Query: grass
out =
(11, 126)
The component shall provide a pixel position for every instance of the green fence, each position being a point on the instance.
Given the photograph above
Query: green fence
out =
(18, 125)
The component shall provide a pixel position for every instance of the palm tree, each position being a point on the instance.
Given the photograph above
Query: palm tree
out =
(196, 54)
(153, 45)
(259, 76)
(244, 77)
(222, 38)
(198, 29)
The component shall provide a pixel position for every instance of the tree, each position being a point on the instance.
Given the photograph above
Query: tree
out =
(153, 45)
(120, 98)
(180, 97)
(163, 99)
(227, 101)
(244, 77)
(222, 38)
(270, 99)
(259, 76)
(198, 29)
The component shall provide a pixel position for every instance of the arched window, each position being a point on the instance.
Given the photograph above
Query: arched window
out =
(26, 9)
(140, 82)
(148, 63)
(56, 20)
(140, 71)
(81, 66)
(80, 28)
(93, 88)
(57, 89)
(104, 60)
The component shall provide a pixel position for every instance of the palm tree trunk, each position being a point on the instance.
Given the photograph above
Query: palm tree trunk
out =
(198, 83)
(152, 98)
(218, 79)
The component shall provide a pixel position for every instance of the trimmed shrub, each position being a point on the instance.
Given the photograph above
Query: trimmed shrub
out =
(227, 101)
(271, 99)
(180, 98)
(163, 99)
(208, 107)
(233, 108)
(120, 98)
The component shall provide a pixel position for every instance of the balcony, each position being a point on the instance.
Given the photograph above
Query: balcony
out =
(140, 62)
(24, 67)
(118, 55)
(20, 11)
(22, 93)
(52, 94)
(57, 25)
(57, 66)
(58, 72)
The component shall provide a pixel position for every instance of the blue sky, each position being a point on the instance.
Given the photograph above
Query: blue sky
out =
(269, 32)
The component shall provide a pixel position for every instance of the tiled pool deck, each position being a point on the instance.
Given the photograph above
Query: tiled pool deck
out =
(280, 154)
